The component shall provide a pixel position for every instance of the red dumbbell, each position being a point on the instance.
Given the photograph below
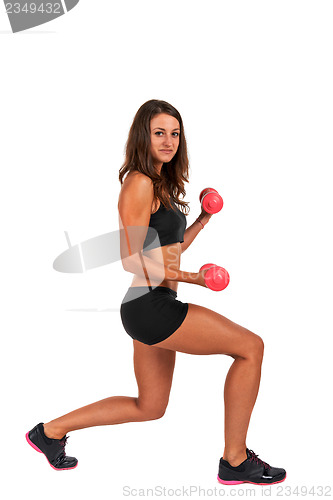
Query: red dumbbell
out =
(210, 200)
(216, 278)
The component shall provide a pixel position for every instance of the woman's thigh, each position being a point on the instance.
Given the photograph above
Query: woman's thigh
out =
(153, 369)
(204, 331)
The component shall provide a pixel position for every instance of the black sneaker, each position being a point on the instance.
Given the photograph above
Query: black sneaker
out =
(253, 470)
(53, 449)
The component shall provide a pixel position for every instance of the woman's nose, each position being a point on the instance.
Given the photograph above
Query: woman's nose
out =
(167, 140)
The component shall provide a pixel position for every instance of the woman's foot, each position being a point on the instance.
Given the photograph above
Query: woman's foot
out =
(252, 470)
(235, 459)
(53, 449)
(52, 433)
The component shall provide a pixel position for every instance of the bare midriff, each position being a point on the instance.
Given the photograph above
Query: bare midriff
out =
(168, 255)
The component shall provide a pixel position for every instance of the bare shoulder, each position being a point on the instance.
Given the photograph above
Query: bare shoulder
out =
(136, 194)
(138, 179)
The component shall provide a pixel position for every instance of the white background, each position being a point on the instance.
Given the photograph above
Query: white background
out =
(253, 82)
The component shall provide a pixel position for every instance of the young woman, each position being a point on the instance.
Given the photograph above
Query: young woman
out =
(153, 235)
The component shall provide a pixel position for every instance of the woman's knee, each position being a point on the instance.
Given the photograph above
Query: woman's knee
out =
(256, 348)
(150, 412)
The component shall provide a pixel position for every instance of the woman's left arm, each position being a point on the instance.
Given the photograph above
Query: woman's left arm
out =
(192, 231)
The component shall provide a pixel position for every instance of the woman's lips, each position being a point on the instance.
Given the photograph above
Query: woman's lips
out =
(168, 151)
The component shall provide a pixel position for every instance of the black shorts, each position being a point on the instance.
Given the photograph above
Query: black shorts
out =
(151, 315)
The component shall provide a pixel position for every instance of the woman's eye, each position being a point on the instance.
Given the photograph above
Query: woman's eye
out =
(177, 134)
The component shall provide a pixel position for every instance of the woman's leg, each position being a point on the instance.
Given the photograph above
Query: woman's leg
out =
(153, 370)
(207, 332)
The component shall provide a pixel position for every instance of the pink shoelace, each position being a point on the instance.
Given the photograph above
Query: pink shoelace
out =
(62, 454)
(255, 458)
(63, 442)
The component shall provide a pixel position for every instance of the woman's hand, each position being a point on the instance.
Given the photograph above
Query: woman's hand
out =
(200, 278)
(204, 217)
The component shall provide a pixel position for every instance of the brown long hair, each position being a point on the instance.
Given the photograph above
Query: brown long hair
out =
(138, 157)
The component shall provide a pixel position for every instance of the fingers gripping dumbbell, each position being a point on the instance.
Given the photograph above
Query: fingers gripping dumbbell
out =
(216, 278)
(211, 201)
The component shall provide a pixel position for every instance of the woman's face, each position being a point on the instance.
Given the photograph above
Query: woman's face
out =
(164, 133)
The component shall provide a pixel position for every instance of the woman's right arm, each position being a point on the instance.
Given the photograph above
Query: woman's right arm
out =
(134, 206)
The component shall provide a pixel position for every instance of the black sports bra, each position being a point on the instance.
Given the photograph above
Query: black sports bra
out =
(170, 226)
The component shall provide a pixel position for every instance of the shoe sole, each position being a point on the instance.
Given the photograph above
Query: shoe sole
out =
(40, 451)
(240, 482)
